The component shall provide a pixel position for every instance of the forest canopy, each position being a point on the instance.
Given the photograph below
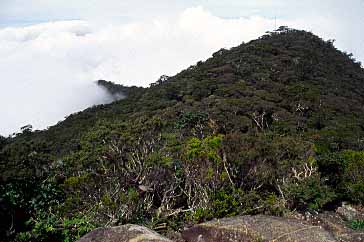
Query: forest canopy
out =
(267, 127)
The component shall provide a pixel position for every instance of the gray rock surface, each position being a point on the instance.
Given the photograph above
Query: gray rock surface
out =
(257, 228)
(322, 227)
(124, 233)
(338, 227)
(349, 213)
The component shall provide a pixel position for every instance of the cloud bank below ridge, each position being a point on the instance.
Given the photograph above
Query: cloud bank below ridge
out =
(48, 70)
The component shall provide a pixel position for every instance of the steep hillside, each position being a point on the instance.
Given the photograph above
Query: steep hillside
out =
(270, 126)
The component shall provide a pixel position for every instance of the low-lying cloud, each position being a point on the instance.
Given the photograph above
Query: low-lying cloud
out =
(49, 70)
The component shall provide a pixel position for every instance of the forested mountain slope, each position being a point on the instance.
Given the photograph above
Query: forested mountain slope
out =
(270, 126)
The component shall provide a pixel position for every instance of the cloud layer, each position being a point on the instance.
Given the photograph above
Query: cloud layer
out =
(48, 70)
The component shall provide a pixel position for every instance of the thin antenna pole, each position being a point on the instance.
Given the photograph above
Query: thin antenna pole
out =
(275, 22)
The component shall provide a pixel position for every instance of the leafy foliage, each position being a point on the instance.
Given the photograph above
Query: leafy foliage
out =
(357, 224)
(270, 126)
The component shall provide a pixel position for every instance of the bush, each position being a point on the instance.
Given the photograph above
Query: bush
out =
(225, 204)
(309, 193)
(357, 224)
(353, 176)
(50, 227)
(191, 120)
(344, 172)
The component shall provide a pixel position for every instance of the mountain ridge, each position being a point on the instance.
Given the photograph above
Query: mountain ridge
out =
(271, 126)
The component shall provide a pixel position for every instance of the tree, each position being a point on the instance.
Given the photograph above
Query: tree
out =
(2, 141)
(26, 129)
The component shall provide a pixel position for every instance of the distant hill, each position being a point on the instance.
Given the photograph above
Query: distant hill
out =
(118, 91)
(270, 126)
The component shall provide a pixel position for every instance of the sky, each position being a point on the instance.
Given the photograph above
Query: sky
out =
(53, 51)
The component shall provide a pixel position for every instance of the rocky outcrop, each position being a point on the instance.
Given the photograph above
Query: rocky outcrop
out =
(338, 227)
(125, 233)
(348, 212)
(308, 227)
(257, 228)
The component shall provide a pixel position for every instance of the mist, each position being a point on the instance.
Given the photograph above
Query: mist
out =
(48, 70)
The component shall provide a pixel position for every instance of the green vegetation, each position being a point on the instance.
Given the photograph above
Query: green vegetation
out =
(268, 127)
(357, 224)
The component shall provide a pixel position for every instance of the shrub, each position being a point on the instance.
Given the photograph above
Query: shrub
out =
(190, 120)
(199, 215)
(309, 193)
(344, 172)
(225, 204)
(353, 176)
(51, 227)
(357, 224)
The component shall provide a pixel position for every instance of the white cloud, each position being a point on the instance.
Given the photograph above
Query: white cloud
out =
(48, 70)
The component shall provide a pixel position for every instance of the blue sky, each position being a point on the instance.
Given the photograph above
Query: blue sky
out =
(32, 11)
(341, 20)
(53, 50)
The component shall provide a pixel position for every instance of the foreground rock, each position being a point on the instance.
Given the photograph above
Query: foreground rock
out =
(322, 227)
(257, 228)
(335, 224)
(125, 233)
(348, 212)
